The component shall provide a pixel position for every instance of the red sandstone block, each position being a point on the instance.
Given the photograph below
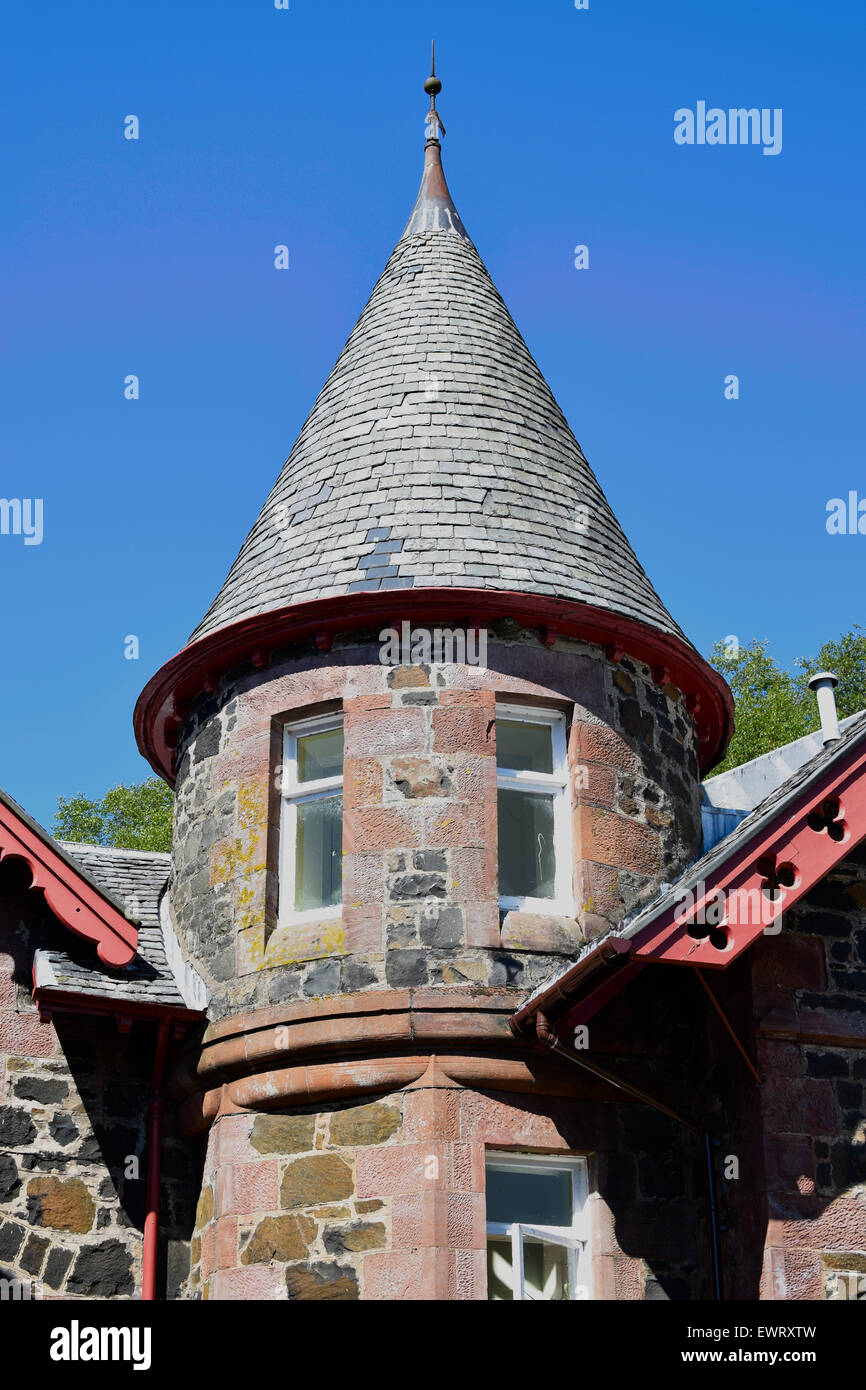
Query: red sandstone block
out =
(474, 777)
(803, 1274)
(774, 1284)
(628, 1278)
(615, 840)
(482, 923)
(231, 1137)
(22, 1035)
(460, 825)
(362, 782)
(469, 1271)
(474, 875)
(476, 699)
(466, 1214)
(464, 728)
(789, 1164)
(598, 890)
(799, 1106)
(379, 732)
(530, 931)
(247, 759)
(407, 1221)
(363, 879)
(208, 1250)
(380, 828)
(779, 1058)
(499, 1122)
(401, 1168)
(430, 1114)
(247, 1188)
(8, 987)
(840, 1226)
(599, 743)
(466, 1168)
(407, 1276)
(359, 703)
(593, 784)
(226, 1242)
(363, 929)
(783, 964)
(250, 1283)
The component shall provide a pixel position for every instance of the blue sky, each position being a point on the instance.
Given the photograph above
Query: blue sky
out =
(305, 127)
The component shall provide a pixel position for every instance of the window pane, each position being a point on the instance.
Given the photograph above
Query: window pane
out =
(541, 1198)
(527, 862)
(545, 1271)
(500, 1277)
(319, 853)
(524, 747)
(320, 755)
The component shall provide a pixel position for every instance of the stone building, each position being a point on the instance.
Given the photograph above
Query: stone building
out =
(403, 988)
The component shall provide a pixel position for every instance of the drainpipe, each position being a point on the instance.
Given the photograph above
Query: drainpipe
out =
(154, 1146)
(823, 683)
(548, 1038)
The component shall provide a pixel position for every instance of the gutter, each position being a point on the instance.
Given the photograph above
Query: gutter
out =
(613, 952)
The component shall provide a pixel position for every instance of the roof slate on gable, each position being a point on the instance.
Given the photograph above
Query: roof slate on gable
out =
(436, 455)
(134, 880)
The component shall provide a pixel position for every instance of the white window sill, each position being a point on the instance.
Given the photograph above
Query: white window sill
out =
(315, 914)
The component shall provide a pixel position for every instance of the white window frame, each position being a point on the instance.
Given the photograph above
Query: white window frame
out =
(575, 1239)
(557, 783)
(292, 794)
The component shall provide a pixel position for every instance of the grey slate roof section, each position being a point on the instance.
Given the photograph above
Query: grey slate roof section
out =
(134, 880)
(436, 426)
(777, 801)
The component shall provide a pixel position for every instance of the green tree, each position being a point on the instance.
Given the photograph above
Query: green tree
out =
(774, 706)
(847, 658)
(128, 817)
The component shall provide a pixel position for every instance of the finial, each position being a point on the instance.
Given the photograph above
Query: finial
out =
(433, 87)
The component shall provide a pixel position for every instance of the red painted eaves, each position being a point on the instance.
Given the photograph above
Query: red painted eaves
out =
(73, 899)
(765, 874)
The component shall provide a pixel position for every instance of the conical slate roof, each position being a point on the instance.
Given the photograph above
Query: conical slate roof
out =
(435, 456)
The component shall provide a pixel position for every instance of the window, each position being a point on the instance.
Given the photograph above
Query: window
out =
(532, 778)
(537, 1229)
(311, 833)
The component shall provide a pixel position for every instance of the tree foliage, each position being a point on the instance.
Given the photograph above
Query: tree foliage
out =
(774, 706)
(128, 817)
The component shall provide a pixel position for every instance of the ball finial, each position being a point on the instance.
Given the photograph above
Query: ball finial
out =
(433, 86)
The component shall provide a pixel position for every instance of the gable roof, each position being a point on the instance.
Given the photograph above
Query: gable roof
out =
(108, 897)
(137, 879)
(783, 831)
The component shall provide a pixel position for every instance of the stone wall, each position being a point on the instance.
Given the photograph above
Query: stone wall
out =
(383, 1197)
(420, 901)
(810, 1008)
(73, 1107)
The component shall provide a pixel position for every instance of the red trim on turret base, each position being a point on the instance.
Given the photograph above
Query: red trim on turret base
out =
(72, 899)
(165, 699)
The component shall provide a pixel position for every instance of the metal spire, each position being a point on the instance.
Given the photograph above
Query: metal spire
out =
(433, 86)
